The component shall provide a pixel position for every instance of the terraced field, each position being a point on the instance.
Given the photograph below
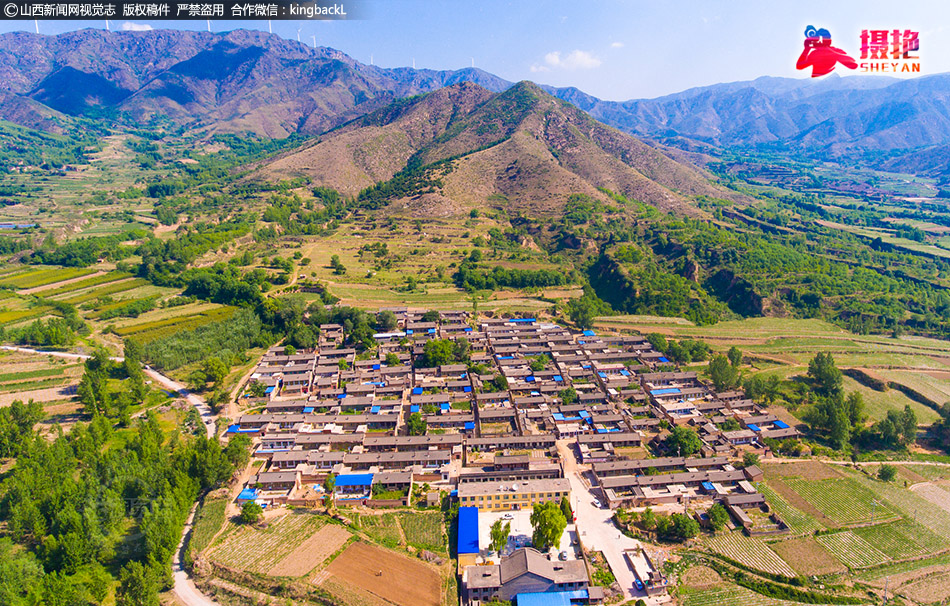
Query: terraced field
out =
(901, 539)
(909, 504)
(148, 331)
(851, 550)
(729, 595)
(103, 291)
(842, 500)
(383, 529)
(749, 551)
(257, 550)
(42, 277)
(112, 276)
(798, 521)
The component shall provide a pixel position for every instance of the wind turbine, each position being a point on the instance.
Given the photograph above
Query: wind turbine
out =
(107, 25)
(270, 30)
(371, 59)
(298, 34)
(314, 38)
(413, 63)
(473, 62)
(36, 24)
(209, 25)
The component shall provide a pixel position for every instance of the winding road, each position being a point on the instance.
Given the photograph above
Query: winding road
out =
(184, 589)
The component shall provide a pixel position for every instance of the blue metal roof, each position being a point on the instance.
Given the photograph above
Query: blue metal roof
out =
(469, 425)
(523, 320)
(468, 530)
(753, 427)
(375, 366)
(781, 424)
(467, 389)
(248, 494)
(707, 486)
(417, 391)
(269, 389)
(664, 360)
(529, 379)
(444, 406)
(374, 409)
(308, 409)
(558, 378)
(589, 333)
(414, 408)
(354, 479)
(661, 392)
(551, 598)
(584, 414)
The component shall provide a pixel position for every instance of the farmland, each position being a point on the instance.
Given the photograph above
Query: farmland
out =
(807, 556)
(423, 530)
(42, 277)
(749, 551)
(851, 549)
(901, 539)
(382, 528)
(798, 521)
(255, 550)
(389, 575)
(208, 522)
(842, 500)
(312, 552)
(729, 595)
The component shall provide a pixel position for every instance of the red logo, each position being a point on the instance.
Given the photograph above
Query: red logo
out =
(820, 56)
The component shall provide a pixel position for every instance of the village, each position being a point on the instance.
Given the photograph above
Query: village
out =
(537, 414)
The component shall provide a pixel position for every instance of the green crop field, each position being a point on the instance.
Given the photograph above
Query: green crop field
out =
(798, 521)
(383, 529)
(208, 522)
(112, 276)
(728, 595)
(851, 550)
(156, 329)
(8, 317)
(42, 277)
(108, 289)
(902, 567)
(909, 504)
(842, 500)
(423, 530)
(749, 551)
(901, 539)
(256, 550)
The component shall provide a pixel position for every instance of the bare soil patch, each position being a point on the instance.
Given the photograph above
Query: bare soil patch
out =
(806, 556)
(906, 578)
(388, 575)
(348, 594)
(312, 552)
(700, 576)
(929, 589)
(934, 494)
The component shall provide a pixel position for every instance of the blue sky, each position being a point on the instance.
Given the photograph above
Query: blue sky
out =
(612, 49)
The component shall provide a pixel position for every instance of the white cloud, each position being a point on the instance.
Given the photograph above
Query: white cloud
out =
(616, 45)
(535, 68)
(128, 26)
(576, 59)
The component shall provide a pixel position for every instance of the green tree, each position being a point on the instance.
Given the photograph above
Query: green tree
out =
(735, 356)
(386, 321)
(329, 483)
(568, 395)
(723, 374)
(437, 352)
(749, 459)
(197, 380)
(684, 441)
(430, 316)
(137, 586)
(718, 516)
(417, 425)
(290, 350)
(566, 508)
(886, 473)
(548, 522)
(251, 512)
(499, 383)
(499, 535)
(826, 378)
(854, 404)
(215, 370)
(392, 359)
(648, 519)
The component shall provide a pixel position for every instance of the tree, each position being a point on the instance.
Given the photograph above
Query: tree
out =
(886, 473)
(566, 508)
(197, 380)
(499, 383)
(137, 586)
(290, 350)
(648, 519)
(684, 441)
(548, 522)
(337, 266)
(215, 370)
(499, 535)
(430, 316)
(677, 527)
(437, 352)
(392, 359)
(718, 516)
(329, 483)
(658, 342)
(825, 376)
(251, 512)
(735, 356)
(257, 389)
(386, 321)
(723, 374)
(854, 405)
(568, 396)
(749, 459)
(417, 425)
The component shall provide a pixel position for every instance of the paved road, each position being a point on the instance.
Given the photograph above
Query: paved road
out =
(206, 415)
(595, 525)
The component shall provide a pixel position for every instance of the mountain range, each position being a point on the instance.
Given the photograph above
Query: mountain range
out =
(253, 81)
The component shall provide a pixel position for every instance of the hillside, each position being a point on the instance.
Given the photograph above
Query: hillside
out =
(522, 147)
